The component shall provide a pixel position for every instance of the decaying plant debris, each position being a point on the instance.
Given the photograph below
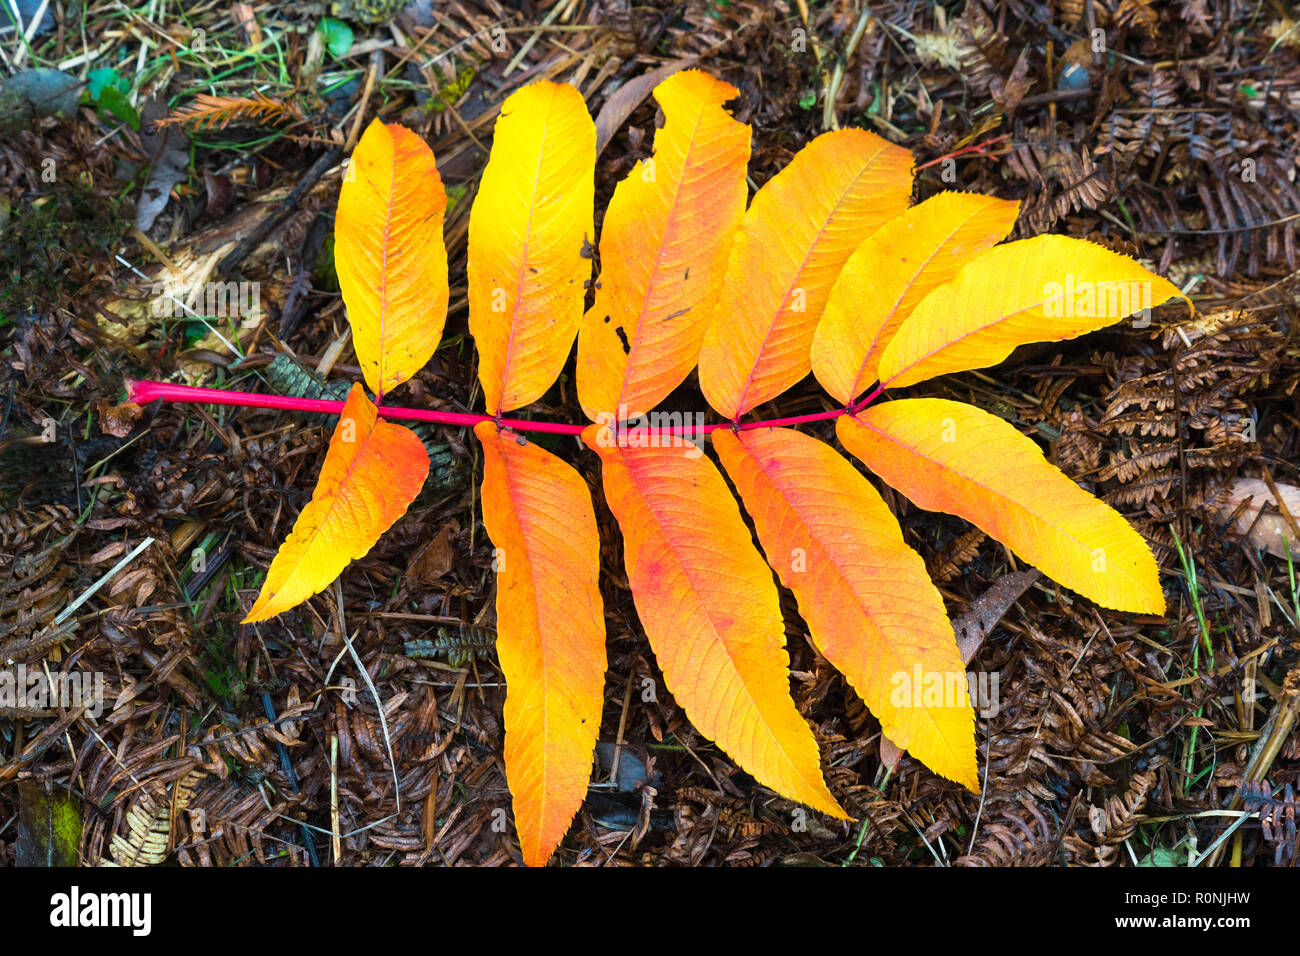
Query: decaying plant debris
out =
(222, 744)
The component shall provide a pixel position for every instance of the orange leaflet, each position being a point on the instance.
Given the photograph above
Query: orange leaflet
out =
(952, 457)
(869, 604)
(785, 256)
(550, 631)
(663, 252)
(1036, 290)
(710, 609)
(373, 470)
(528, 230)
(390, 256)
(890, 273)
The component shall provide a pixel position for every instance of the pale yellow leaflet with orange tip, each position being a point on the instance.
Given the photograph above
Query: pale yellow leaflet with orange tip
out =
(390, 255)
(710, 610)
(663, 251)
(373, 470)
(799, 230)
(528, 231)
(871, 608)
(550, 631)
(952, 457)
(890, 273)
(1035, 290)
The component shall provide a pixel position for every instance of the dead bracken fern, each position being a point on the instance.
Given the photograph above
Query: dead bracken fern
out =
(1185, 417)
(147, 839)
(218, 112)
(947, 564)
(1111, 824)
(34, 587)
(1237, 189)
(1277, 817)
(1054, 715)
(1062, 180)
(1016, 834)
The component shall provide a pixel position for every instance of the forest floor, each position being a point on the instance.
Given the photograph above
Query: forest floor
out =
(1165, 129)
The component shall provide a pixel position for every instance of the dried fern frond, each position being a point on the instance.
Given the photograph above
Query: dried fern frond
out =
(146, 841)
(1182, 419)
(1016, 834)
(1277, 817)
(947, 564)
(218, 112)
(1061, 181)
(149, 826)
(1111, 823)
(33, 588)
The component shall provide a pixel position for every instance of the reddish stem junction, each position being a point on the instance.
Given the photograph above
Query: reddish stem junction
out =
(144, 392)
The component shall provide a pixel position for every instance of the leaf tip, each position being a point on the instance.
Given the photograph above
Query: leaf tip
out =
(834, 809)
(970, 780)
(260, 611)
(534, 853)
(1149, 600)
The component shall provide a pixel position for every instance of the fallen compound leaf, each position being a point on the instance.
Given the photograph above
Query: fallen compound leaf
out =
(707, 601)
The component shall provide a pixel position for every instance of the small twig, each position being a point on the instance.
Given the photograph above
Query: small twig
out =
(376, 66)
(9, 404)
(334, 798)
(829, 119)
(264, 228)
(30, 31)
(622, 725)
(90, 592)
(977, 148)
(528, 44)
(286, 767)
(1216, 847)
(1267, 748)
(370, 685)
